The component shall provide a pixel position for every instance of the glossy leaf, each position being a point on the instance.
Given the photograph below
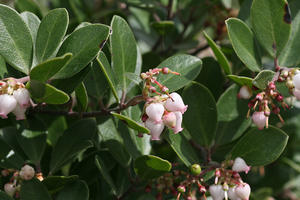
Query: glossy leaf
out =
(188, 66)
(84, 44)
(243, 43)
(271, 22)
(81, 97)
(149, 167)
(56, 183)
(75, 191)
(202, 108)
(34, 190)
(123, 50)
(74, 140)
(219, 54)
(45, 70)
(16, 48)
(262, 79)
(241, 80)
(260, 147)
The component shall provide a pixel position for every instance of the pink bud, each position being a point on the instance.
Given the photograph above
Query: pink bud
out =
(155, 128)
(243, 191)
(176, 103)
(217, 192)
(245, 92)
(10, 189)
(169, 119)
(178, 127)
(155, 112)
(23, 97)
(7, 104)
(240, 165)
(296, 81)
(19, 112)
(296, 93)
(232, 194)
(259, 119)
(27, 172)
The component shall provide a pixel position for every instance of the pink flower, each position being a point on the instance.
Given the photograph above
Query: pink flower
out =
(232, 194)
(169, 119)
(19, 112)
(175, 104)
(178, 127)
(7, 104)
(245, 92)
(243, 191)
(155, 128)
(240, 165)
(259, 119)
(296, 81)
(27, 172)
(217, 192)
(296, 93)
(155, 112)
(10, 189)
(23, 97)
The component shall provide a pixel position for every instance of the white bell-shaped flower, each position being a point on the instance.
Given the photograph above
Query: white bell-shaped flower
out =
(217, 192)
(23, 97)
(19, 112)
(155, 128)
(239, 165)
(10, 189)
(7, 104)
(27, 172)
(296, 81)
(155, 112)
(178, 127)
(259, 119)
(296, 93)
(169, 119)
(232, 194)
(245, 92)
(243, 191)
(175, 104)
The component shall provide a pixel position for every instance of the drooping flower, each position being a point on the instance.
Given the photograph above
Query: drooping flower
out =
(296, 93)
(232, 194)
(155, 128)
(22, 96)
(10, 189)
(245, 92)
(240, 165)
(169, 119)
(243, 191)
(296, 81)
(7, 104)
(178, 127)
(155, 112)
(259, 119)
(217, 192)
(175, 103)
(27, 172)
(19, 112)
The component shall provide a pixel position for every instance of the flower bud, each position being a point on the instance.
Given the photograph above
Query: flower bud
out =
(259, 119)
(296, 93)
(22, 96)
(165, 70)
(19, 112)
(7, 104)
(27, 172)
(272, 86)
(232, 194)
(216, 192)
(176, 103)
(243, 191)
(155, 128)
(10, 189)
(178, 127)
(169, 119)
(245, 92)
(155, 112)
(181, 189)
(195, 169)
(296, 81)
(240, 165)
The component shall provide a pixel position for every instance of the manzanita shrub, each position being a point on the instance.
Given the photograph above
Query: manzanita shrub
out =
(128, 110)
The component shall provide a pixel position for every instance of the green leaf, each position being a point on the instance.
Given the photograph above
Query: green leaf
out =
(241, 80)
(74, 140)
(75, 191)
(260, 147)
(271, 22)
(202, 108)
(105, 173)
(50, 34)
(4, 196)
(182, 148)
(163, 27)
(45, 70)
(149, 167)
(84, 44)
(15, 40)
(188, 66)
(290, 56)
(131, 123)
(3, 69)
(81, 97)
(34, 190)
(262, 79)
(219, 54)
(43, 92)
(56, 183)
(123, 50)
(28, 5)
(243, 43)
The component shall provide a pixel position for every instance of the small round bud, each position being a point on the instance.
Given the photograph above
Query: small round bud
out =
(165, 70)
(181, 189)
(279, 98)
(144, 76)
(285, 73)
(289, 84)
(27, 172)
(259, 96)
(202, 189)
(152, 89)
(272, 86)
(195, 169)
(165, 89)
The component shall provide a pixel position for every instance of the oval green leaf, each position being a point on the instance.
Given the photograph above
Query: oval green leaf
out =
(262, 79)
(241, 80)
(81, 97)
(56, 183)
(74, 191)
(34, 190)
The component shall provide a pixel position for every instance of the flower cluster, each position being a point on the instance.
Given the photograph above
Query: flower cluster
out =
(228, 183)
(161, 110)
(14, 97)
